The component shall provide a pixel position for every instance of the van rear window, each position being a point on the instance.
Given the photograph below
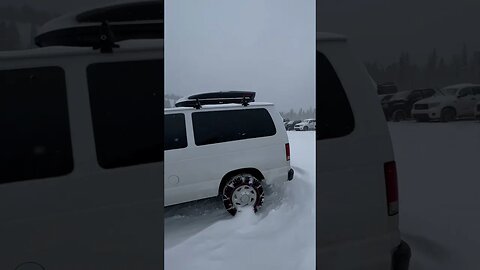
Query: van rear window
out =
(35, 131)
(126, 102)
(225, 126)
(334, 114)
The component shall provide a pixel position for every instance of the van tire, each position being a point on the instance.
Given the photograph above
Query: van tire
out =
(242, 183)
(448, 115)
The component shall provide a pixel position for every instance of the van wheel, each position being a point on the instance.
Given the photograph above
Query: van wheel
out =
(242, 190)
(448, 114)
(305, 128)
(399, 115)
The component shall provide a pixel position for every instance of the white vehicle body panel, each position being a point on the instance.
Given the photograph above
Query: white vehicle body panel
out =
(91, 218)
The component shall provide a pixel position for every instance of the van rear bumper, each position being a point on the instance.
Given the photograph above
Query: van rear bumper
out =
(401, 256)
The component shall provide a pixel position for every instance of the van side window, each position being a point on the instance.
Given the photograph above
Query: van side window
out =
(225, 126)
(35, 130)
(126, 103)
(334, 114)
(175, 131)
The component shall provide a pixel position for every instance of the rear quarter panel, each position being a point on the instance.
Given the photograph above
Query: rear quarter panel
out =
(353, 228)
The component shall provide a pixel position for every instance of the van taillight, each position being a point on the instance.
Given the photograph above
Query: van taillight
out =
(287, 151)
(392, 187)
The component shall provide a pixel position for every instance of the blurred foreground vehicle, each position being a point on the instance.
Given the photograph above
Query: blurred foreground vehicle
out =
(356, 188)
(81, 159)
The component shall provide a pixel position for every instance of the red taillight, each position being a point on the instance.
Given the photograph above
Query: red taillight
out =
(287, 151)
(392, 187)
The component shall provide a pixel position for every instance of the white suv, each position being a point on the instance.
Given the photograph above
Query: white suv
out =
(450, 103)
(231, 150)
(307, 124)
(356, 187)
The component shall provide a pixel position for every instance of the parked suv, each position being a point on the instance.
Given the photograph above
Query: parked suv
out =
(449, 104)
(81, 159)
(291, 124)
(398, 107)
(229, 150)
(307, 124)
(356, 187)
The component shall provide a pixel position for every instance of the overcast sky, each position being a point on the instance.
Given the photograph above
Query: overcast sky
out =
(381, 29)
(266, 46)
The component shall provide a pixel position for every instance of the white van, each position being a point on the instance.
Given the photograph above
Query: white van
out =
(356, 188)
(227, 150)
(81, 159)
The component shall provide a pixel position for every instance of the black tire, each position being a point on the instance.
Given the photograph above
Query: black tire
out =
(238, 182)
(448, 115)
(399, 115)
(305, 128)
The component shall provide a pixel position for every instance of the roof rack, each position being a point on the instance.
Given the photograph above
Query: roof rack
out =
(212, 98)
(103, 27)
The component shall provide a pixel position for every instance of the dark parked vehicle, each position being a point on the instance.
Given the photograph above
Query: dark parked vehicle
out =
(398, 107)
(386, 88)
(291, 124)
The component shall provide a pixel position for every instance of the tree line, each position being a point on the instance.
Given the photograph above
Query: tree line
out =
(436, 72)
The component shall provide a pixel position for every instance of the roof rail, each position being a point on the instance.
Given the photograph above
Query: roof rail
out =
(213, 98)
(102, 27)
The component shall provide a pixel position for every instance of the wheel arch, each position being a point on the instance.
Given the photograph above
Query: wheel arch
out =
(253, 171)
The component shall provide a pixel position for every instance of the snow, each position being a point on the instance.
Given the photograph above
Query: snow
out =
(439, 174)
(201, 235)
(438, 170)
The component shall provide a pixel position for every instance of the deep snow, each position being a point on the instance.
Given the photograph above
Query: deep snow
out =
(281, 235)
(439, 184)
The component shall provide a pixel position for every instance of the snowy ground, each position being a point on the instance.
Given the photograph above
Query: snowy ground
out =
(439, 184)
(281, 236)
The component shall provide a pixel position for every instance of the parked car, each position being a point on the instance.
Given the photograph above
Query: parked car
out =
(477, 111)
(449, 104)
(399, 106)
(307, 124)
(356, 187)
(386, 88)
(235, 162)
(291, 124)
(81, 160)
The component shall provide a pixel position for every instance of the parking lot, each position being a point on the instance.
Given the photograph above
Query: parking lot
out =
(439, 173)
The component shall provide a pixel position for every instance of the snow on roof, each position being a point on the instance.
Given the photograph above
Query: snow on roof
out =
(324, 36)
